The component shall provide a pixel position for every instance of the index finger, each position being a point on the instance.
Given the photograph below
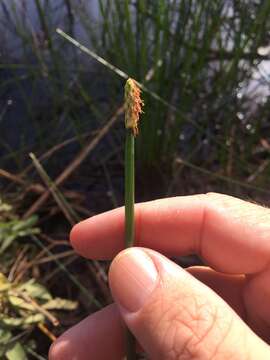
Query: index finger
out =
(231, 235)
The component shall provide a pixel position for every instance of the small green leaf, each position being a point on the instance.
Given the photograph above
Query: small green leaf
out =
(4, 208)
(60, 304)
(13, 229)
(16, 352)
(4, 283)
(5, 337)
(6, 242)
(35, 290)
(11, 321)
(25, 224)
(19, 322)
(18, 302)
(33, 319)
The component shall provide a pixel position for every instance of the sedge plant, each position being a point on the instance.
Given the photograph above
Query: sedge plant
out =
(133, 109)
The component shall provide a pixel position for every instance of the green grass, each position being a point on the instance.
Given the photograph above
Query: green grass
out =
(200, 45)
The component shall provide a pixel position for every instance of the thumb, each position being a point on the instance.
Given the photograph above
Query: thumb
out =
(175, 316)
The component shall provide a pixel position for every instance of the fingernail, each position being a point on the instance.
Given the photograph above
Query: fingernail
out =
(133, 277)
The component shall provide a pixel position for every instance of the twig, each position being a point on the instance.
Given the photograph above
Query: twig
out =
(34, 354)
(16, 264)
(66, 262)
(15, 178)
(71, 277)
(59, 198)
(54, 149)
(47, 332)
(99, 278)
(221, 177)
(54, 257)
(259, 170)
(38, 307)
(76, 162)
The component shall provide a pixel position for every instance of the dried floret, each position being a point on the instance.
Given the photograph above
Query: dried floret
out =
(134, 104)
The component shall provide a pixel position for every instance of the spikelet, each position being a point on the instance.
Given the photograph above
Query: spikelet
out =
(133, 105)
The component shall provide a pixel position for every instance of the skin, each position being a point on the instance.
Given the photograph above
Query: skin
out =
(215, 312)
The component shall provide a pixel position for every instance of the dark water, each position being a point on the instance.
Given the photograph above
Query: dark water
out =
(17, 15)
(22, 98)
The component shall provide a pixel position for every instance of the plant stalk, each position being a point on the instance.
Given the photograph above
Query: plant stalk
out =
(133, 109)
(129, 188)
(129, 219)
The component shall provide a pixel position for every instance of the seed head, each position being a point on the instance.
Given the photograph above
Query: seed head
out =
(133, 105)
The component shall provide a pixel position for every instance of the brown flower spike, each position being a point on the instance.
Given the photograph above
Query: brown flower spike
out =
(133, 104)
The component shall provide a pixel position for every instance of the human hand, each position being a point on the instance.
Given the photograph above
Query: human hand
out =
(221, 312)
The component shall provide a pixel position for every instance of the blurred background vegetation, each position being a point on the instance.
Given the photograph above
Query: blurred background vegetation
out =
(205, 65)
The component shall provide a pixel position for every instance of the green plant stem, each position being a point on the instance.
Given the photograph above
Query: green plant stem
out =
(131, 346)
(129, 189)
(129, 219)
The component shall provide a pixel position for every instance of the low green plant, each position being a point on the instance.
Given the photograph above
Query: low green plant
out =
(24, 304)
(22, 307)
(13, 228)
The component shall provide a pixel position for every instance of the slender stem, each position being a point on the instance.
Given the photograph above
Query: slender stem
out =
(129, 219)
(133, 109)
(129, 188)
(131, 346)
